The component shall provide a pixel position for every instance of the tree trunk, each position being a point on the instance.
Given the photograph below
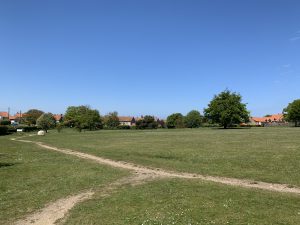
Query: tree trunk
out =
(296, 123)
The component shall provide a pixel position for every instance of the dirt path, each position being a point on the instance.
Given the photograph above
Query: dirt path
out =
(58, 210)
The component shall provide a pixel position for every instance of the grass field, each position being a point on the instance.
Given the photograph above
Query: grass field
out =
(185, 202)
(32, 176)
(265, 154)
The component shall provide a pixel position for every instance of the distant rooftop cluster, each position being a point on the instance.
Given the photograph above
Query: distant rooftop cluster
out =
(18, 116)
(276, 118)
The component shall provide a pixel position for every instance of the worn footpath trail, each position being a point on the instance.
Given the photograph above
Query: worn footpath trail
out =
(141, 174)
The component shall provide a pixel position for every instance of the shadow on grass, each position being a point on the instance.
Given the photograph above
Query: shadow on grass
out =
(231, 128)
(6, 164)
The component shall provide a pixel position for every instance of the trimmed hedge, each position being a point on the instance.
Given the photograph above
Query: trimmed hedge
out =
(3, 130)
(27, 128)
(124, 127)
(5, 122)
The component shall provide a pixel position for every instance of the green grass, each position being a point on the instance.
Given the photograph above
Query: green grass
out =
(265, 154)
(31, 177)
(188, 202)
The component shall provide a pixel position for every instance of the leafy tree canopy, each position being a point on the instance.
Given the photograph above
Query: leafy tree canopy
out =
(175, 120)
(292, 112)
(227, 109)
(193, 119)
(148, 122)
(82, 117)
(32, 115)
(111, 120)
(46, 121)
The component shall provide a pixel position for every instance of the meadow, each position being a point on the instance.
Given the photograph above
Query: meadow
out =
(32, 176)
(264, 154)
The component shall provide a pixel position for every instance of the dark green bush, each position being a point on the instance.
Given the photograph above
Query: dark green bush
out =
(28, 128)
(3, 130)
(5, 122)
(124, 127)
(11, 129)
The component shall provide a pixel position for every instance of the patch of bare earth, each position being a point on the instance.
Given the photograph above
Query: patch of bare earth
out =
(57, 210)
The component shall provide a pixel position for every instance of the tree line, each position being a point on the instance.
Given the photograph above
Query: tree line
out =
(225, 109)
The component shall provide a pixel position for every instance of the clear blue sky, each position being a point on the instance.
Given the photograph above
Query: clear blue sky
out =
(148, 57)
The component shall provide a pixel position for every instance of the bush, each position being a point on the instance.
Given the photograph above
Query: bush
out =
(124, 127)
(210, 125)
(11, 129)
(27, 128)
(59, 127)
(5, 122)
(3, 130)
(30, 129)
(148, 122)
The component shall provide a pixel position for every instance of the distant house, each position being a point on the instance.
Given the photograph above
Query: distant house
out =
(127, 120)
(58, 117)
(4, 116)
(17, 117)
(272, 119)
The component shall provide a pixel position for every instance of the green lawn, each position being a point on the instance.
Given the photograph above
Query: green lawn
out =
(185, 202)
(265, 154)
(31, 177)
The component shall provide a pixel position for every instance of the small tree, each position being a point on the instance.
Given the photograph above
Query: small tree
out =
(193, 119)
(148, 122)
(32, 115)
(227, 109)
(175, 120)
(111, 120)
(46, 121)
(292, 112)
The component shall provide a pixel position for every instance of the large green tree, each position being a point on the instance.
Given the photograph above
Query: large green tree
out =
(82, 117)
(193, 119)
(227, 109)
(46, 121)
(175, 120)
(32, 115)
(111, 120)
(292, 112)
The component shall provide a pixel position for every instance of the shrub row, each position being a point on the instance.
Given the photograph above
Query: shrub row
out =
(4, 122)
(3, 130)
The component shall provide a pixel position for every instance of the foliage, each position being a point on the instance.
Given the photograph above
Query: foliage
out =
(59, 127)
(83, 117)
(147, 122)
(124, 127)
(5, 122)
(227, 109)
(32, 115)
(46, 121)
(3, 130)
(268, 115)
(11, 129)
(193, 119)
(27, 128)
(111, 120)
(292, 112)
(175, 120)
